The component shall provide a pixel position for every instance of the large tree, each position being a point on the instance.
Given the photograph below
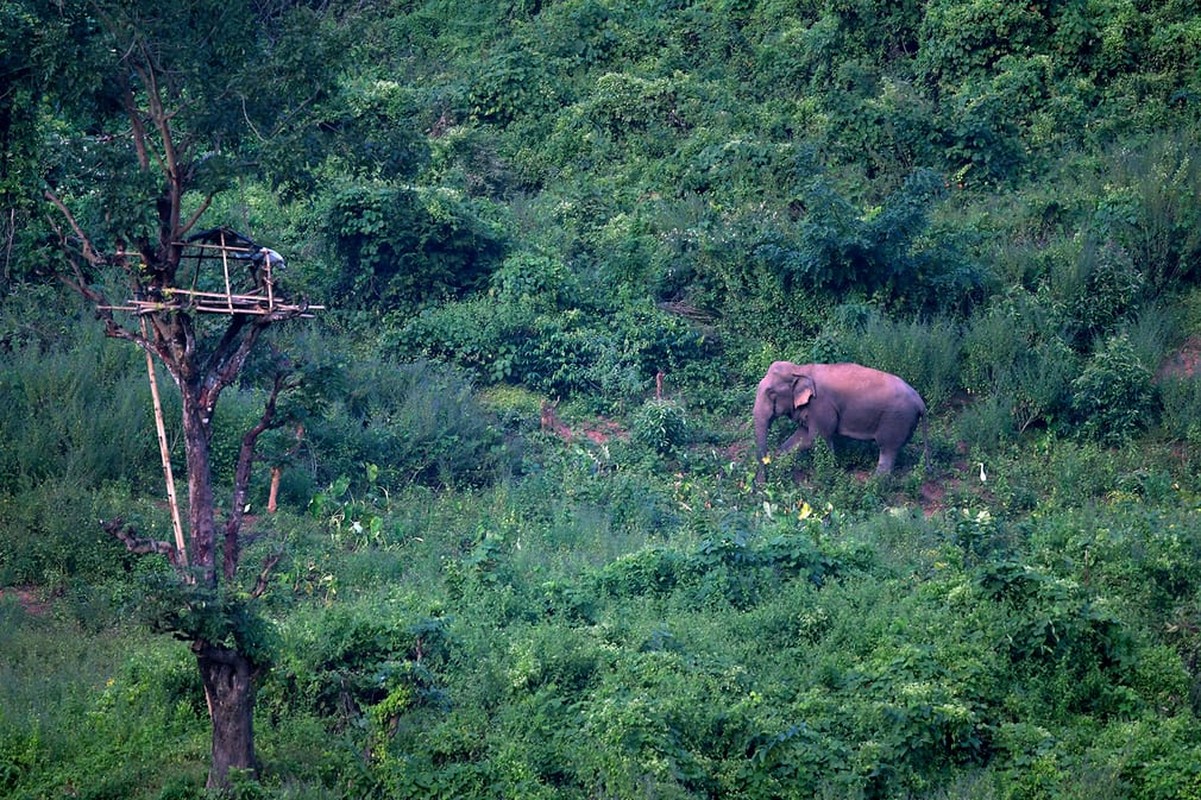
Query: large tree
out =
(144, 110)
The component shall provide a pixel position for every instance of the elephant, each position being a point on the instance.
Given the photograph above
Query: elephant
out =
(845, 399)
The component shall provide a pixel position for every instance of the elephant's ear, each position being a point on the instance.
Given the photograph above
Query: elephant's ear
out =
(802, 391)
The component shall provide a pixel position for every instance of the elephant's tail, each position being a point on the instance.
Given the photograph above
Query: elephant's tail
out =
(926, 437)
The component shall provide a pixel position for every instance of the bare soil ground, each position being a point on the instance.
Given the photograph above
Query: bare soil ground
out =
(1184, 362)
(29, 599)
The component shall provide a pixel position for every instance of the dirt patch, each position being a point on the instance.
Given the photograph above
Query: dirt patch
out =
(597, 431)
(27, 598)
(932, 497)
(1184, 363)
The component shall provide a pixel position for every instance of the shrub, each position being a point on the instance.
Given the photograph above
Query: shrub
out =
(77, 410)
(1150, 205)
(378, 128)
(1103, 288)
(986, 424)
(883, 252)
(341, 661)
(961, 39)
(517, 335)
(510, 85)
(661, 425)
(402, 247)
(51, 536)
(1180, 397)
(1113, 396)
(1015, 350)
(419, 421)
(625, 104)
(534, 278)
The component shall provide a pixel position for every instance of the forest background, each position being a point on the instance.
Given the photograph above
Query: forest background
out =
(558, 244)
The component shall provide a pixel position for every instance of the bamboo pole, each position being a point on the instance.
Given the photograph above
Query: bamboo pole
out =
(227, 247)
(269, 280)
(161, 429)
(225, 264)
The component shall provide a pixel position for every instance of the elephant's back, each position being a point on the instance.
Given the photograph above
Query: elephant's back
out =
(861, 378)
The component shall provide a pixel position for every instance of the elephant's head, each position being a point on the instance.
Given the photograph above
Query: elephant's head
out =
(785, 391)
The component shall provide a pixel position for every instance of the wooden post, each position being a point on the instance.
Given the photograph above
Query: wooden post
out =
(273, 497)
(268, 279)
(165, 452)
(229, 292)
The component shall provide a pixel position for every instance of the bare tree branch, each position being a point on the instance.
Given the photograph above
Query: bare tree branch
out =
(86, 248)
(260, 584)
(187, 226)
(128, 537)
(237, 511)
(138, 129)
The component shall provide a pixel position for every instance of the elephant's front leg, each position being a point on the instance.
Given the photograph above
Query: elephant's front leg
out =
(802, 438)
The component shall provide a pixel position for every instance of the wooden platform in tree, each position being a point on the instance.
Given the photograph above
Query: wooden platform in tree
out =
(217, 303)
(238, 259)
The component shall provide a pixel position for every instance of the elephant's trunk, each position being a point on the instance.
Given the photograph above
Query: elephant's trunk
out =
(764, 409)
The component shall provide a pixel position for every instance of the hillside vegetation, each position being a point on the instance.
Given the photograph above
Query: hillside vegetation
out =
(520, 551)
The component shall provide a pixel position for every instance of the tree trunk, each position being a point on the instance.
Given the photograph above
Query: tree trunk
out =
(227, 674)
(229, 689)
(201, 518)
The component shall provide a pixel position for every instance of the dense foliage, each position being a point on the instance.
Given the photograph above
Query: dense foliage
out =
(559, 243)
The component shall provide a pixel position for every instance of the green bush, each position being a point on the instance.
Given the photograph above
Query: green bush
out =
(1113, 396)
(1098, 289)
(1150, 206)
(885, 252)
(1180, 397)
(510, 85)
(377, 123)
(518, 334)
(1015, 350)
(354, 660)
(51, 535)
(537, 279)
(924, 354)
(97, 711)
(661, 425)
(962, 39)
(403, 247)
(986, 423)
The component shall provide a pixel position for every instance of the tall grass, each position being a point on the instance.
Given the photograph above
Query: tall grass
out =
(925, 354)
(78, 411)
(112, 715)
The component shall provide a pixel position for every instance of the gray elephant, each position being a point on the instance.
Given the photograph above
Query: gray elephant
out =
(845, 399)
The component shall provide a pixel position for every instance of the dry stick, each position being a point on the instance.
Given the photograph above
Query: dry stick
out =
(166, 455)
